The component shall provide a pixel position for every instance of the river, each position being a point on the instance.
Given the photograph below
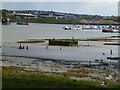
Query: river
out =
(12, 33)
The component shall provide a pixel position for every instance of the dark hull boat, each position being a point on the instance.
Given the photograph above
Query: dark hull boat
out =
(5, 21)
(111, 30)
(22, 23)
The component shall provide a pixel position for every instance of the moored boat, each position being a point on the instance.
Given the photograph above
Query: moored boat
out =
(67, 27)
(22, 23)
(111, 30)
(5, 21)
(73, 27)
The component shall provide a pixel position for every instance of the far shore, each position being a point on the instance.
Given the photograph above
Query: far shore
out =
(74, 23)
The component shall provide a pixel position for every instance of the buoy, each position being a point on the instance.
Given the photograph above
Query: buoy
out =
(60, 48)
(103, 53)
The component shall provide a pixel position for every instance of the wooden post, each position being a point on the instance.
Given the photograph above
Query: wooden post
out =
(110, 52)
(90, 63)
(27, 47)
(20, 47)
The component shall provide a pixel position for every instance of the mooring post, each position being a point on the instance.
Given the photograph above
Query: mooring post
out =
(23, 47)
(27, 47)
(60, 48)
(90, 63)
(20, 47)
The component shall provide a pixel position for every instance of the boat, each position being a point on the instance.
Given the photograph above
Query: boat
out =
(67, 27)
(5, 21)
(22, 23)
(95, 27)
(111, 30)
(87, 27)
(73, 27)
(77, 27)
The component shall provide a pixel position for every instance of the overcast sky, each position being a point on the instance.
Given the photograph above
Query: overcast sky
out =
(60, 0)
(94, 8)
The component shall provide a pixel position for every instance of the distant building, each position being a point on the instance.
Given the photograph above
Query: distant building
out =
(50, 14)
(22, 14)
(71, 17)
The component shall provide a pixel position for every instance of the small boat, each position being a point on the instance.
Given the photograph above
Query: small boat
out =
(22, 23)
(67, 27)
(77, 27)
(90, 27)
(74, 27)
(5, 21)
(111, 30)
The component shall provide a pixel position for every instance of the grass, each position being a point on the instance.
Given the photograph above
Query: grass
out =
(111, 43)
(31, 41)
(63, 42)
(41, 81)
(46, 20)
(12, 77)
(113, 86)
(99, 39)
(79, 71)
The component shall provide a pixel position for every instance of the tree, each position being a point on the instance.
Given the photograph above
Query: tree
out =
(4, 12)
(118, 19)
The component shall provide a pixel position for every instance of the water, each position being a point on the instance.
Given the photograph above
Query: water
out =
(12, 33)
(15, 32)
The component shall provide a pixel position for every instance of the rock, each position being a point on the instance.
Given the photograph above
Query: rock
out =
(102, 83)
(109, 77)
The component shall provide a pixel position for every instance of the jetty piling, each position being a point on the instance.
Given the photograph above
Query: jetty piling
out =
(20, 46)
(90, 63)
(23, 47)
(27, 47)
(110, 52)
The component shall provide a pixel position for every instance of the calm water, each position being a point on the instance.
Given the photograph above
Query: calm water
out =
(45, 31)
(12, 33)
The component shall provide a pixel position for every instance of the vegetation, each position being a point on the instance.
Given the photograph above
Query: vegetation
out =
(41, 81)
(99, 39)
(117, 19)
(53, 20)
(63, 42)
(4, 13)
(14, 77)
(43, 20)
(111, 43)
(31, 41)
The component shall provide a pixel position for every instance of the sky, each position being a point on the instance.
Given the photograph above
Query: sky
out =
(60, 0)
(107, 8)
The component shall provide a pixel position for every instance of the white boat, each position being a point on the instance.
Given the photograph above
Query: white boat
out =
(77, 27)
(73, 27)
(89, 27)
(67, 27)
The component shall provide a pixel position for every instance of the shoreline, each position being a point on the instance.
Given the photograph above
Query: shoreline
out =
(72, 23)
(101, 77)
(95, 62)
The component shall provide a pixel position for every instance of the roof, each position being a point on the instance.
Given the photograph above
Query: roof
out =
(22, 14)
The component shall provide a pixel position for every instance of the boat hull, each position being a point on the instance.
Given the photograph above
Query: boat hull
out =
(22, 23)
(111, 30)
